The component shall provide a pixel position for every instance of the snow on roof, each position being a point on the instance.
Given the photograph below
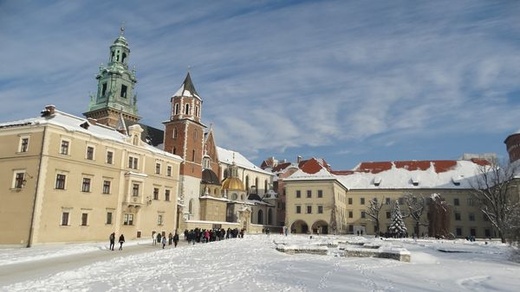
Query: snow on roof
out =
(459, 175)
(401, 175)
(322, 174)
(71, 123)
(229, 156)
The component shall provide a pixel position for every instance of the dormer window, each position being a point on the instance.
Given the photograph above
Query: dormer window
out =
(415, 181)
(377, 181)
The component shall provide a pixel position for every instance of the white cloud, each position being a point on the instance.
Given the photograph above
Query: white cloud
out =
(324, 74)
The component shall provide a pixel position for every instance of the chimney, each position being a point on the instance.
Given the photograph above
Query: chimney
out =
(48, 111)
(298, 159)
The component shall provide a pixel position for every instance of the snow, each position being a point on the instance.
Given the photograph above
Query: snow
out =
(254, 264)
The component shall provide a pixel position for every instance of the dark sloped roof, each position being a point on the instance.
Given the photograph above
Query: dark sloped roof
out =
(209, 177)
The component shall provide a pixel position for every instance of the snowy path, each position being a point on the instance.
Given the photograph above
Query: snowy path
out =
(252, 264)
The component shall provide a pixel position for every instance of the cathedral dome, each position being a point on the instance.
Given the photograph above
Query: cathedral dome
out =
(233, 183)
(209, 177)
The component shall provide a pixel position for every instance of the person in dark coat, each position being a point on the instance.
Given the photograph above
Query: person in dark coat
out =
(112, 239)
(175, 239)
(121, 241)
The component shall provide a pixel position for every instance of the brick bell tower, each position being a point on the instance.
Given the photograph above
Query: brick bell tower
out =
(184, 132)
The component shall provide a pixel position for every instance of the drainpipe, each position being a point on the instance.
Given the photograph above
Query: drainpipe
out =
(29, 241)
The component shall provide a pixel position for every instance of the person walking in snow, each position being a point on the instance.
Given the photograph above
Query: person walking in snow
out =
(112, 240)
(163, 241)
(175, 239)
(121, 241)
(159, 237)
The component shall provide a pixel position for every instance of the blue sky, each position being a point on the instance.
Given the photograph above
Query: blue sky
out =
(348, 81)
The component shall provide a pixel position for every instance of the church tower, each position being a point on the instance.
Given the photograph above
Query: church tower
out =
(115, 94)
(184, 132)
(184, 136)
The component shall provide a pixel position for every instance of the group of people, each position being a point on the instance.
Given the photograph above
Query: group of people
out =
(207, 235)
(192, 236)
(160, 238)
(112, 240)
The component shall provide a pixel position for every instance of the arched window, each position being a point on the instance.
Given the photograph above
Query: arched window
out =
(187, 109)
(174, 133)
(260, 217)
(190, 206)
(247, 183)
(270, 217)
(176, 108)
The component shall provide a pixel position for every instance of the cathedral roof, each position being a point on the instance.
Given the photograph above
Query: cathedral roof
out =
(187, 88)
(210, 177)
(233, 183)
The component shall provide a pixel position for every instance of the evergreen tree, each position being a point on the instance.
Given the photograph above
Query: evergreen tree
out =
(397, 227)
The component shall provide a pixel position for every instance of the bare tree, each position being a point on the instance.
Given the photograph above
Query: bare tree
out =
(439, 217)
(496, 190)
(373, 211)
(415, 207)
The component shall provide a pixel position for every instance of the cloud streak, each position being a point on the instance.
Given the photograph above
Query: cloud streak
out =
(338, 79)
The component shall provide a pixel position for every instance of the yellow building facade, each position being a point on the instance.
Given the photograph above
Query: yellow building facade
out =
(67, 179)
(319, 199)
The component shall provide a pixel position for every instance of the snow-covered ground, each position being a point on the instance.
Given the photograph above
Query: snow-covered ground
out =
(254, 264)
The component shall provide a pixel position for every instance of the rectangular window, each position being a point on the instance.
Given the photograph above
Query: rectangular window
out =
(160, 219)
(156, 193)
(135, 190)
(133, 162)
(104, 89)
(157, 168)
(309, 194)
(298, 209)
(24, 144)
(362, 201)
(350, 201)
(458, 231)
(350, 214)
(86, 185)
(60, 181)
(298, 194)
(65, 218)
(320, 209)
(64, 147)
(109, 218)
(106, 187)
(471, 217)
(320, 194)
(169, 171)
(471, 201)
(456, 202)
(167, 195)
(90, 153)
(457, 216)
(110, 157)
(124, 89)
(309, 209)
(128, 219)
(388, 215)
(19, 180)
(84, 219)
(363, 214)
(387, 201)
